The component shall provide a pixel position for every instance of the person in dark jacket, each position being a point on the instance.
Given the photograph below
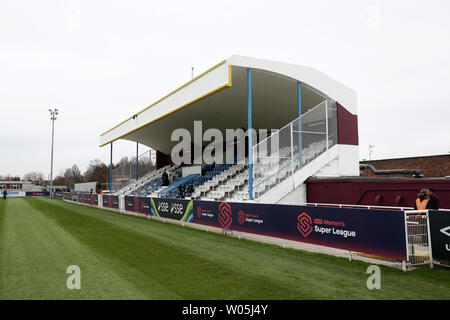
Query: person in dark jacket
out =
(181, 190)
(433, 202)
(165, 178)
(4, 194)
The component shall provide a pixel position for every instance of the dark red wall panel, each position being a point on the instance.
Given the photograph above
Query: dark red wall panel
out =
(375, 192)
(347, 126)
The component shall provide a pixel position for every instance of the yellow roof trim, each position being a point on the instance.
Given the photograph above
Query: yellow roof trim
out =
(178, 89)
(179, 108)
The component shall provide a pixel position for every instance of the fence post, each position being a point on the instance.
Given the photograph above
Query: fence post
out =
(292, 156)
(406, 237)
(429, 239)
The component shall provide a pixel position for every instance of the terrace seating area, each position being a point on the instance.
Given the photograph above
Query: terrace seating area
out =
(228, 182)
(149, 183)
(269, 172)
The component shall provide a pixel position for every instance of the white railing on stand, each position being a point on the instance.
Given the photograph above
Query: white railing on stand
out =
(286, 151)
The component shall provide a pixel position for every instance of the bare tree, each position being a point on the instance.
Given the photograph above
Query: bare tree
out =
(76, 174)
(71, 176)
(35, 177)
(60, 181)
(96, 171)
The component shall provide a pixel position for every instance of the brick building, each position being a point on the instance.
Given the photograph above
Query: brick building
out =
(432, 166)
(385, 189)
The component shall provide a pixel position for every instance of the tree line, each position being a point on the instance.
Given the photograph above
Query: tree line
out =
(96, 171)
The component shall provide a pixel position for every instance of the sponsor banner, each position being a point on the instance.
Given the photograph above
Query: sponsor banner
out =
(145, 205)
(42, 194)
(87, 198)
(105, 201)
(14, 194)
(176, 209)
(138, 204)
(114, 201)
(76, 197)
(110, 201)
(132, 204)
(245, 217)
(440, 234)
(377, 232)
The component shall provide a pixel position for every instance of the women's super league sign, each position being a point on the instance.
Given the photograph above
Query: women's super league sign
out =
(378, 232)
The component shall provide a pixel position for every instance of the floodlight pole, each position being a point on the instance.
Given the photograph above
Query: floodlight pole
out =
(371, 151)
(53, 114)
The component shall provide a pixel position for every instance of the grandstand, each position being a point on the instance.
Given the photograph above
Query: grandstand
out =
(289, 124)
(311, 118)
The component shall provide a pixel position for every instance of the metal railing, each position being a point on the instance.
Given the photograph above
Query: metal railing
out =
(418, 238)
(126, 173)
(340, 205)
(295, 145)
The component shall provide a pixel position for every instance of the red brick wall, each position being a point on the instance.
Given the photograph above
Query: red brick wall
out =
(432, 166)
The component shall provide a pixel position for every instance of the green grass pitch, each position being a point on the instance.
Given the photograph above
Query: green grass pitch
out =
(125, 257)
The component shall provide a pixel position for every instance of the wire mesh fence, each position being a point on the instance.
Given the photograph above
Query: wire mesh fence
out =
(130, 170)
(418, 238)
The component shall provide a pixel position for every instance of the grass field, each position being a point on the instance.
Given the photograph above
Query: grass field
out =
(125, 257)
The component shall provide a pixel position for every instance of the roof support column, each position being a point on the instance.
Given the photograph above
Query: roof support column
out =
(250, 134)
(300, 144)
(137, 161)
(110, 169)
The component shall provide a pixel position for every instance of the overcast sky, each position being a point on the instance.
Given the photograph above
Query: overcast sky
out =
(100, 61)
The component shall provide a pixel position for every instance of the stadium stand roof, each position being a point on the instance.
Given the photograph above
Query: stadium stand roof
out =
(218, 97)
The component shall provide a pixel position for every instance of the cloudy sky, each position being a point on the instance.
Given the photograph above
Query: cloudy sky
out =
(100, 61)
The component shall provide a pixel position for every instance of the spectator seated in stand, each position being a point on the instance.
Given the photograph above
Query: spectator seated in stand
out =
(165, 178)
(181, 190)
